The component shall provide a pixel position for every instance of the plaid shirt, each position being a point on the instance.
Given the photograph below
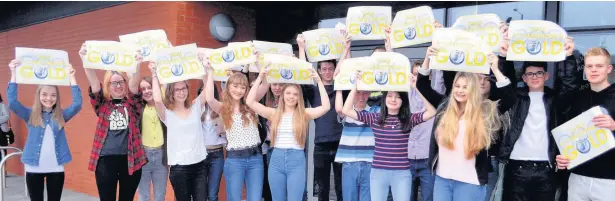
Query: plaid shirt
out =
(103, 108)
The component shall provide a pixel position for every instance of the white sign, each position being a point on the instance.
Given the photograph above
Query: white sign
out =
(323, 44)
(110, 55)
(148, 41)
(42, 66)
(287, 69)
(390, 73)
(368, 22)
(580, 140)
(345, 79)
(486, 26)
(536, 40)
(178, 64)
(459, 50)
(412, 27)
(270, 47)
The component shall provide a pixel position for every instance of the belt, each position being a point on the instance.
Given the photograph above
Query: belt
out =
(209, 151)
(530, 163)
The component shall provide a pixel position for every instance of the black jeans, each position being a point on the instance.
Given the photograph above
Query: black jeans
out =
(529, 181)
(189, 181)
(36, 185)
(109, 171)
(324, 158)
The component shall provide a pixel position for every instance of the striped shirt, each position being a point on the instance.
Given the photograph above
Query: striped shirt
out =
(285, 138)
(357, 142)
(391, 150)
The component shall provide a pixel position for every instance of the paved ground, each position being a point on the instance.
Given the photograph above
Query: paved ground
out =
(15, 191)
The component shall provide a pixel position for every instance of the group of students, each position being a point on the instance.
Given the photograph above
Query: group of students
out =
(450, 137)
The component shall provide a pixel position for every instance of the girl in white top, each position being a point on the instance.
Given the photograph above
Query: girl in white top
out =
(185, 142)
(289, 121)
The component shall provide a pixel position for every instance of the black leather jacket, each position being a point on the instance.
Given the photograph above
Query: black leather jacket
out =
(554, 104)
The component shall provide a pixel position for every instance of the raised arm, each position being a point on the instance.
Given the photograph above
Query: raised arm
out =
(504, 88)
(202, 96)
(423, 84)
(156, 93)
(259, 108)
(317, 112)
(339, 103)
(76, 105)
(90, 73)
(11, 93)
(347, 108)
(135, 79)
(301, 44)
(209, 92)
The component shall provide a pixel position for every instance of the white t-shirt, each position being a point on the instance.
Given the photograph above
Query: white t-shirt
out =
(213, 129)
(285, 138)
(47, 159)
(533, 144)
(185, 137)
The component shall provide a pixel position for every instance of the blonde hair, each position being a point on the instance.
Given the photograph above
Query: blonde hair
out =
(169, 101)
(599, 51)
(36, 118)
(300, 118)
(107, 83)
(481, 119)
(247, 115)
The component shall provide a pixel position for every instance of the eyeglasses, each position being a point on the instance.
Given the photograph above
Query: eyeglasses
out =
(117, 83)
(538, 74)
(181, 90)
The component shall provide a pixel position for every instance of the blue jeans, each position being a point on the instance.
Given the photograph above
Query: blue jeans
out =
(451, 190)
(287, 174)
(355, 181)
(492, 179)
(399, 181)
(244, 170)
(155, 173)
(419, 168)
(215, 162)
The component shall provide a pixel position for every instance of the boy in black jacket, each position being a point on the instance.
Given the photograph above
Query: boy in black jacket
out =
(594, 179)
(528, 148)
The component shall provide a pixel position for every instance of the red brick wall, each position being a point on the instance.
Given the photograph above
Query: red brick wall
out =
(184, 22)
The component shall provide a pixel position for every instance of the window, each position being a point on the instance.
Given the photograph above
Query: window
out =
(515, 10)
(577, 14)
(586, 40)
(330, 23)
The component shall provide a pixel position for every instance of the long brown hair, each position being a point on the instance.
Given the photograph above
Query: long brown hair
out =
(481, 119)
(247, 115)
(300, 118)
(36, 116)
(169, 101)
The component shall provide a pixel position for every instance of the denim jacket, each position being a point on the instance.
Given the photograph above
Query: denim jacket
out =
(32, 150)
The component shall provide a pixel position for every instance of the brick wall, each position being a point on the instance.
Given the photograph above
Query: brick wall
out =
(184, 22)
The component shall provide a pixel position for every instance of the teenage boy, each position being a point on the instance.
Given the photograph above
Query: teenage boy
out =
(528, 148)
(595, 179)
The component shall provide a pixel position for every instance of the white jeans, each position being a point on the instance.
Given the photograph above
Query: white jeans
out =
(582, 188)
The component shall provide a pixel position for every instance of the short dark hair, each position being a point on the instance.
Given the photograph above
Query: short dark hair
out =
(536, 64)
(417, 63)
(333, 61)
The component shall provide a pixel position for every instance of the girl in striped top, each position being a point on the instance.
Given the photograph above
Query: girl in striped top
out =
(289, 122)
(391, 126)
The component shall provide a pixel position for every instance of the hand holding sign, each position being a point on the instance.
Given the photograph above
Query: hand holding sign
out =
(315, 76)
(13, 64)
(569, 46)
(604, 121)
(562, 162)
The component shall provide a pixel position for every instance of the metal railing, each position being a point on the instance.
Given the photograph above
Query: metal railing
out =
(3, 171)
